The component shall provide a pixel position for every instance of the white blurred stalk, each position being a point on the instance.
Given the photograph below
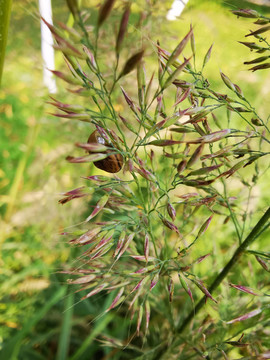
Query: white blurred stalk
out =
(176, 9)
(47, 49)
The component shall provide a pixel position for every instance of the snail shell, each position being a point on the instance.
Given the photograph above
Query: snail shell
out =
(113, 163)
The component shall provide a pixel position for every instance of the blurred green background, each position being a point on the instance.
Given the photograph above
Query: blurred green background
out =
(40, 317)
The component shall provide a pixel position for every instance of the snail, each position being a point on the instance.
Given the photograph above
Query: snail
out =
(111, 164)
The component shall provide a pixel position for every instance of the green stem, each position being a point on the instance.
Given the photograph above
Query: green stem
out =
(5, 10)
(253, 235)
(232, 214)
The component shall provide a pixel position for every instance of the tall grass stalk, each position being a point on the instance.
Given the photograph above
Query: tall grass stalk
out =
(5, 10)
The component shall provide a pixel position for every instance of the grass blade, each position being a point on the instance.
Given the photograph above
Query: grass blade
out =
(5, 9)
(97, 329)
(66, 327)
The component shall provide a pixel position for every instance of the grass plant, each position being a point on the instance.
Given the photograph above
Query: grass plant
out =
(170, 255)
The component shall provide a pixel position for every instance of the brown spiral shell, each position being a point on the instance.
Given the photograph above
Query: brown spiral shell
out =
(111, 164)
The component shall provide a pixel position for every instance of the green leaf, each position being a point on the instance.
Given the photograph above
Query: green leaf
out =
(66, 327)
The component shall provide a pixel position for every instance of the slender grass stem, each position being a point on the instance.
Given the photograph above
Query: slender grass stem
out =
(221, 276)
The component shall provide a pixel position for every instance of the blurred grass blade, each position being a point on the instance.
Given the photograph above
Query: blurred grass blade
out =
(64, 339)
(96, 331)
(5, 9)
(14, 190)
(12, 348)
